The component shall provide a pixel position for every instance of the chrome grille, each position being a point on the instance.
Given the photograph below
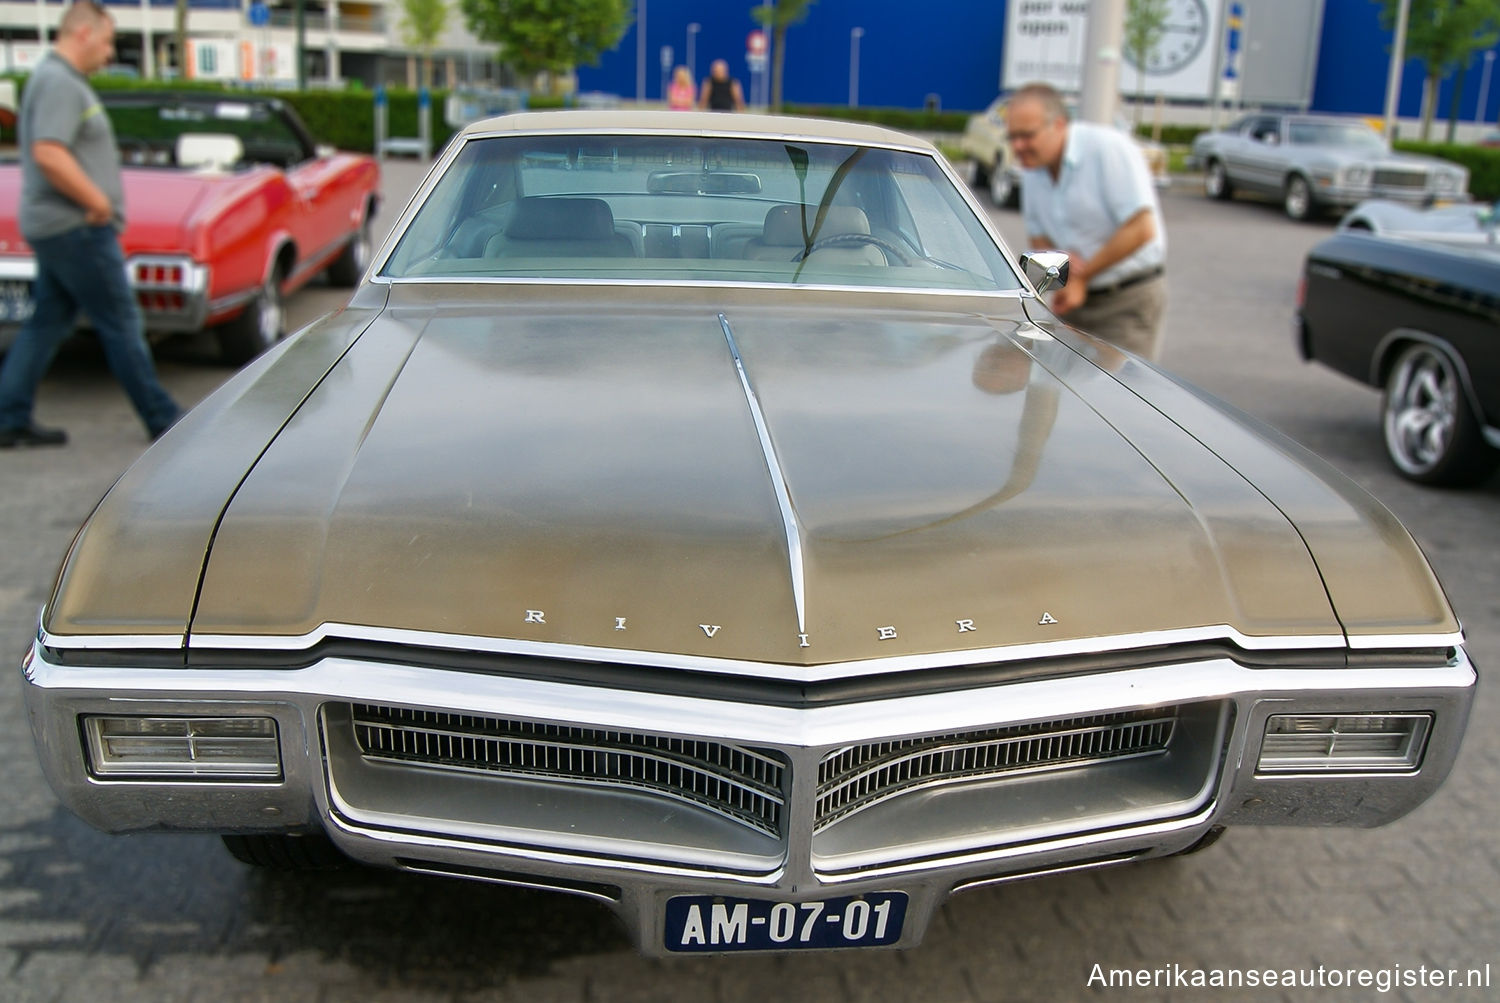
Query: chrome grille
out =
(859, 776)
(1387, 177)
(734, 781)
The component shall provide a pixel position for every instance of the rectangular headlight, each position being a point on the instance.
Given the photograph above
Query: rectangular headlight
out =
(183, 748)
(1343, 743)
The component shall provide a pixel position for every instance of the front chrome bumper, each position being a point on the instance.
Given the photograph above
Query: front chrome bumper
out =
(1330, 192)
(633, 850)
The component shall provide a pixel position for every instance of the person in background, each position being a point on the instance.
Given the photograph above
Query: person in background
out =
(72, 211)
(680, 93)
(721, 92)
(1086, 190)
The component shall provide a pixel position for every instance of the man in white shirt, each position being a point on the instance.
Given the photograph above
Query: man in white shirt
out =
(1085, 189)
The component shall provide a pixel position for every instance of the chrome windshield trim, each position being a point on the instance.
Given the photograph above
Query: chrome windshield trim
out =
(512, 280)
(778, 481)
(698, 663)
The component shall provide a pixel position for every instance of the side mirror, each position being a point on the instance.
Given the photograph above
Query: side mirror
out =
(1045, 269)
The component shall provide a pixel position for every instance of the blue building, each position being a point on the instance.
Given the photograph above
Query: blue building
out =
(953, 50)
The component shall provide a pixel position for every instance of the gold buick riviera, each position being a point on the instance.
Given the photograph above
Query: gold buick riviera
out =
(705, 515)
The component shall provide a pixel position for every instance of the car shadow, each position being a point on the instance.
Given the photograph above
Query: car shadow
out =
(65, 887)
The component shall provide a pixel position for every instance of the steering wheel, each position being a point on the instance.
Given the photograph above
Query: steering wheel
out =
(890, 250)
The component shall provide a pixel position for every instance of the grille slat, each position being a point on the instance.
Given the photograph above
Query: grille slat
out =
(859, 776)
(1386, 177)
(734, 781)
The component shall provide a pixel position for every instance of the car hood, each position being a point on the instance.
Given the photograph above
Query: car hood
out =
(1348, 156)
(552, 472)
(584, 470)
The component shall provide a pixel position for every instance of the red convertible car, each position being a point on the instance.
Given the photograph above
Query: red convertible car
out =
(230, 206)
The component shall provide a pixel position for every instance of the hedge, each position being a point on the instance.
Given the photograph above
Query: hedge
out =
(1172, 135)
(907, 119)
(1483, 163)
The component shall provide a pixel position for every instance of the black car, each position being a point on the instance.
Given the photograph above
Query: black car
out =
(1413, 306)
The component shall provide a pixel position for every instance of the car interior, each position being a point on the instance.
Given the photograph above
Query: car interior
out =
(749, 210)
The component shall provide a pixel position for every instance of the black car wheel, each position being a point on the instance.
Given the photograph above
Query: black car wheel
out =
(349, 267)
(1216, 181)
(1003, 189)
(260, 326)
(1298, 199)
(1431, 434)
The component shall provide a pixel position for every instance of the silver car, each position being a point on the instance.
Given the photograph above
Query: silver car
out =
(1316, 162)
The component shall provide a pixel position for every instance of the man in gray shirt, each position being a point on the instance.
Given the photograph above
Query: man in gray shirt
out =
(72, 209)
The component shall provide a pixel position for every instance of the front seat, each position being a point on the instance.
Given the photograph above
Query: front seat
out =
(782, 238)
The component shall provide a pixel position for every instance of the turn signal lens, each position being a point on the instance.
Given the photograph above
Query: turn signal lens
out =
(1344, 743)
(183, 748)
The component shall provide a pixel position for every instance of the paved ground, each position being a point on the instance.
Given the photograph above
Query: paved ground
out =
(85, 916)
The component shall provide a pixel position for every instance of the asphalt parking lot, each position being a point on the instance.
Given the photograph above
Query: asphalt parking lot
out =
(84, 916)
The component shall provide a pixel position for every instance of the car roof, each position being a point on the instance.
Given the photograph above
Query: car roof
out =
(708, 124)
(1334, 119)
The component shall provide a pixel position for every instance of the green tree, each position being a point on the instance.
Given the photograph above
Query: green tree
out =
(422, 24)
(1145, 24)
(1444, 34)
(779, 16)
(551, 36)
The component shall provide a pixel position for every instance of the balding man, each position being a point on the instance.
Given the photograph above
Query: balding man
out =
(72, 210)
(1085, 189)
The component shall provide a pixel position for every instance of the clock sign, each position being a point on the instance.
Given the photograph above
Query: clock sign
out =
(1183, 36)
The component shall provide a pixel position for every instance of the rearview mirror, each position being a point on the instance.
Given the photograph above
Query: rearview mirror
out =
(1045, 269)
(702, 183)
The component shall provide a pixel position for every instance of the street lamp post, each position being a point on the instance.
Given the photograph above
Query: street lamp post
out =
(640, 50)
(855, 34)
(692, 49)
(1484, 86)
(1393, 77)
(148, 66)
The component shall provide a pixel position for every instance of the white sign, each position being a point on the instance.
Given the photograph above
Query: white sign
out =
(1044, 42)
(23, 57)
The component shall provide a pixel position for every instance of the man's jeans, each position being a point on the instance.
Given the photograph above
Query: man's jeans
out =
(83, 270)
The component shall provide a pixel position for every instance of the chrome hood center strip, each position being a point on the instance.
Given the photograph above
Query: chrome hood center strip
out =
(778, 481)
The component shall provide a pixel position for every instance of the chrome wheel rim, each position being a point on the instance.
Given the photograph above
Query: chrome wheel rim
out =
(1214, 180)
(1000, 186)
(1297, 198)
(1421, 410)
(270, 319)
(362, 247)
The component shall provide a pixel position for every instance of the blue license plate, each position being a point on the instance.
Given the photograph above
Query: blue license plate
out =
(719, 923)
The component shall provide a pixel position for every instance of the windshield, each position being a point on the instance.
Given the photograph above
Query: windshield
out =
(1334, 134)
(697, 208)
